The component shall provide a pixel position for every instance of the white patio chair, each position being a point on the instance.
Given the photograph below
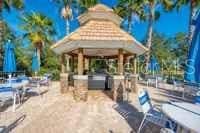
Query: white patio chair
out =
(48, 78)
(178, 86)
(19, 90)
(8, 93)
(152, 82)
(45, 80)
(166, 130)
(151, 113)
(191, 89)
(34, 86)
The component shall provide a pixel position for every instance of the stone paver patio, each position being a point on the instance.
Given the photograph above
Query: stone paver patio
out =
(58, 113)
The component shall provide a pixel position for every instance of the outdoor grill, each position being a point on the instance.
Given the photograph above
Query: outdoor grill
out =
(98, 81)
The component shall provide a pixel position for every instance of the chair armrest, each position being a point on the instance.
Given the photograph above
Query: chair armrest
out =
(198, 93)
(163, 117)
(156, 107)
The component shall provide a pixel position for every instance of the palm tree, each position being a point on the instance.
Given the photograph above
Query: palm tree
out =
(194, 4)
(39, 30)
(66, 12)
(67, 15)
(153, 15)
(67, 5)
(85, 4)
(6, 4)
(127, 8)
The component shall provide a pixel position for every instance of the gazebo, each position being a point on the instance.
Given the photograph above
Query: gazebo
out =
(99, 35)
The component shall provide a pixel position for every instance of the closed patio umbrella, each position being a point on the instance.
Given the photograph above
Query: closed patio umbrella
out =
(35, 62)
(9, 64)
(153, 65)
(192, 72)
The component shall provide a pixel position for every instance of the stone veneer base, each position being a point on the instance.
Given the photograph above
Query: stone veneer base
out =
(134, 81)
(64, 82)
(80, 87)
(118, 88)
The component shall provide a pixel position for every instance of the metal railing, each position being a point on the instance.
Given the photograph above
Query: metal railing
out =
(4, 75)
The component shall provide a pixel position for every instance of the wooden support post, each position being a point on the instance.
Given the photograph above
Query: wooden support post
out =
(120, 62)
(80, 61)
(86, 62)
(72, 63)
(126, 59)
(67, 63)
(127, 65)
(134, 77)
(62, 60)
(135, 65)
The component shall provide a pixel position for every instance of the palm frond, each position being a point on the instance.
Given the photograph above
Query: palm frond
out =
(6, 4)
(38, 28)
(18, 4)
(157, 15)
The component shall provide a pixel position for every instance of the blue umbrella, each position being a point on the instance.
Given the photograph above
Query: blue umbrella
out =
(153, 65)
(9, 64)
(35, 62)
(192, 72)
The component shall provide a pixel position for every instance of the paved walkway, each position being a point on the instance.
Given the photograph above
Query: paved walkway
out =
(56, 113)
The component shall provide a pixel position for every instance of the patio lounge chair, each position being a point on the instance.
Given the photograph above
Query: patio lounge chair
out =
(8, 93)
(187, 88)
(177, 85)
(152, 113)
(20, 88)
(191, 88)
(36, 83)
(153, 80)
(46, 80)
(166, 130)
(33, 86)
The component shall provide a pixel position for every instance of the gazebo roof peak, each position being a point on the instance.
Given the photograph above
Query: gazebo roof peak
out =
(99, 34)
(100, 12)
(100, 8)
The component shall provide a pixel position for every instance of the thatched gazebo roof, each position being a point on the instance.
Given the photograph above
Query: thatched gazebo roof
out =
(99, 34)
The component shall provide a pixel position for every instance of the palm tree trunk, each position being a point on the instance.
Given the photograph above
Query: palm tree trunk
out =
(130, 24)
(39, 47)
(67, 27)
(150, 35)
(38, 54)
(191, 26)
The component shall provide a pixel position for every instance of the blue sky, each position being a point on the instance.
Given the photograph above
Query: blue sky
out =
(169, 23)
